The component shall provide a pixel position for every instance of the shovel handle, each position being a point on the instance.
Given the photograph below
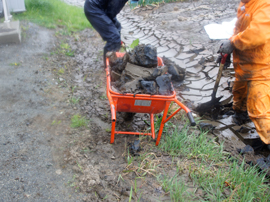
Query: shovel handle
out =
(221, 66)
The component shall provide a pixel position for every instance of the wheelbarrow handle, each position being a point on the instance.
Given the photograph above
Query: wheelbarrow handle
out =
(191, 119)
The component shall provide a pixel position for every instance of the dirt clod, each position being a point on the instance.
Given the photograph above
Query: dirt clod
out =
(164, 84)
(144, 55)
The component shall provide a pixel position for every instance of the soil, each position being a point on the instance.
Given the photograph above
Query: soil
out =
(31, 101)
(45, 81)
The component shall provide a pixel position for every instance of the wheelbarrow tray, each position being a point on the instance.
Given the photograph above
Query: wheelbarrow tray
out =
(141, 103)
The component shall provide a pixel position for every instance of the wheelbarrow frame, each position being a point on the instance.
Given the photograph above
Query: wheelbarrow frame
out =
(142, 103)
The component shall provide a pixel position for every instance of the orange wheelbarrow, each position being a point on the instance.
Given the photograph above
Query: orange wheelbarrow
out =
(142, 103)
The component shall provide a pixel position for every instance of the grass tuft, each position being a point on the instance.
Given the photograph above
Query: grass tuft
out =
(77, 121)
(175, 186)
(193, 145)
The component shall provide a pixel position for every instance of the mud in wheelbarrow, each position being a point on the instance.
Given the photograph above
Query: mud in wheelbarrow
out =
(142, 103)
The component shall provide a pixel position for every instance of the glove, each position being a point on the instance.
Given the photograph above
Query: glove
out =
(226, 47)
(227, 62)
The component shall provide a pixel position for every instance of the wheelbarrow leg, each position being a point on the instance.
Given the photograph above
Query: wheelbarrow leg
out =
(163, 121)
(152, 125)
(112, 132)
(113, 123)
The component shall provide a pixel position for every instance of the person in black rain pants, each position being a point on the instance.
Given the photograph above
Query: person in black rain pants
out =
(102, 16)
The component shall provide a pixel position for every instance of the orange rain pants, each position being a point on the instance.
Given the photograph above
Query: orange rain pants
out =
(251, 60)
(254, 96)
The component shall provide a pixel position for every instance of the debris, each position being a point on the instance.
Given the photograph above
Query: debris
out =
(156, 72)
(246, 150)
(131, 86)
(263, 164)
(58, 172)
(206, 127)
(149, 87)
(243, 129)
(117, 64)
(144, 55)
(241, 118)
(164, 84)
(113, 157)
(134, 148)
(178, 73)
(115, 76)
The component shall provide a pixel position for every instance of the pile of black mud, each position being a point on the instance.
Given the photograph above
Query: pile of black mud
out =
(140, 72)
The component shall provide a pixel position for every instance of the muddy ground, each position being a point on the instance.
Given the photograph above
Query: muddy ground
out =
(45, 81)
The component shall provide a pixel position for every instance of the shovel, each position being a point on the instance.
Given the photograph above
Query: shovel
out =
(205, 107)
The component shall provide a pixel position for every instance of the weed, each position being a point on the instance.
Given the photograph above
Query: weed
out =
(15, 64)
(105, 197)
(129, 158)
(80, 166)
(61, 71)
(77, 121)
(176, 187)
(106, 115)
(108, 130)
(74, 100)
(85, 150)
(65, 50)
(146, 164)
(71, 182)
(120, 177)
(55, 122)
(84, 77)
(73, 89)
(69, 53)
(130, 195)
(103, 97)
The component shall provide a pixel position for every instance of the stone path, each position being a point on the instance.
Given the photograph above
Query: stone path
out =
(176, 29)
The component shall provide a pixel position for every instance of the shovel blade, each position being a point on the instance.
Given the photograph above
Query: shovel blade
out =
(207, 106)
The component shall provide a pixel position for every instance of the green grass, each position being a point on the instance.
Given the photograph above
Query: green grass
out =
(77, 121)
(210, 168)
(53, 14)
(189, 144)
(176, 187)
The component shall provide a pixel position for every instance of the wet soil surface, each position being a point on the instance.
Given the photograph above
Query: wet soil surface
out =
(51, 77)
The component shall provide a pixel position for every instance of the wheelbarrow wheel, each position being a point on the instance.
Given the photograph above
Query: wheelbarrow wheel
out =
(128, 116)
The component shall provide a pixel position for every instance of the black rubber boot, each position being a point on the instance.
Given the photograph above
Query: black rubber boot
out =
(241, 118)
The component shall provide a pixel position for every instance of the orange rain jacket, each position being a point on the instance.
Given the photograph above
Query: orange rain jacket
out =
(251, 40)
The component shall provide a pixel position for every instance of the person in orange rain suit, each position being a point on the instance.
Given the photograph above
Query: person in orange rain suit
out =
(250, 45)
